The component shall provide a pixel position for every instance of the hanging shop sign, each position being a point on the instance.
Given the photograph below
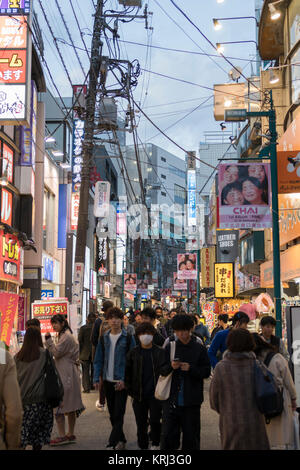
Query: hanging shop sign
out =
(187, 266)
(130, 282)
(142, 286)
(77, 159)
(227, 245)
(29, 133)
(15, 71)
(288, 159)
(102, 198)
(107, 290)
(191, 184)
(208, 259)
(7, 162)
(244, 195)
(8, 311)
(289, 216)
(224, 280)
(75, 199)
(179, 284)
(15, 7)
(78, 284)
(11, 262)
(45, 310)
(6, 206)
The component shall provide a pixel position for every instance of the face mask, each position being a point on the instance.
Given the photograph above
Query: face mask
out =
(146, 339)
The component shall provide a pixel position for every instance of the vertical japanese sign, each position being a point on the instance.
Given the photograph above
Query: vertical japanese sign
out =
(8, 310)
(102, 197)
(191, 178)
(244, 191)
(28, 133)
(208, 258)
(15, 70)
(187, 266)
(7, 162)
(224, 280)
(6, 206)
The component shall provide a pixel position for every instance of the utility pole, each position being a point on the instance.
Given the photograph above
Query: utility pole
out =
(87, 147)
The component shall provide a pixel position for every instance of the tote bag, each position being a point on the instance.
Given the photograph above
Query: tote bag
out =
(163, 386)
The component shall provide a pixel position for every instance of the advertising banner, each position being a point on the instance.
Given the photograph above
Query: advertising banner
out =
(102, 198)
(44, 311)
(142, 286)
(28, 134)
(227, 245)
(130, 282)
(179, 284)
(7, 162)
(8, 310)
(288, 159)
(78, 284)
(75, 199)
(11, 268)
(187, 266)
(14, 7)
(289, 216)
(208, 259)
(244, 195)
(6, 206)
(224, 280)
(77, 159)
(191, 183)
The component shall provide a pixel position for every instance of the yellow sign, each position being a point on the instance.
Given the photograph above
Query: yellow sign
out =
(208, 258)
(224, 280)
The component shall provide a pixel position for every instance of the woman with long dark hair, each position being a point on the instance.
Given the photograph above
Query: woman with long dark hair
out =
(66, 355)
(38, 414)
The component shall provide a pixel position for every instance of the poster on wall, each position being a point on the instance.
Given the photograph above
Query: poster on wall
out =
(187, 266)
(130, 282)
(244, 195)
(45, 310)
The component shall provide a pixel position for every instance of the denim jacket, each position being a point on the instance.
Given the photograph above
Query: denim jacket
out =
(121, 350)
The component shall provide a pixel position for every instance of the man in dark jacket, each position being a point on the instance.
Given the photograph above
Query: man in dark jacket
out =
(85, 352)
(143, 366)
(189, 366)
(149, 315)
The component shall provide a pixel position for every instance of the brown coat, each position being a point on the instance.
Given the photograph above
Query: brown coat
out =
(66, 355)
(280, 430)
(242, 426)
(11, 403)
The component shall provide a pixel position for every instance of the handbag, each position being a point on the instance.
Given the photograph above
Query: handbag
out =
(54, 389)
(163, 386)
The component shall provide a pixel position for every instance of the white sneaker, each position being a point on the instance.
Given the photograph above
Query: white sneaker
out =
(100, 407)
(120, 446)
(155, 448)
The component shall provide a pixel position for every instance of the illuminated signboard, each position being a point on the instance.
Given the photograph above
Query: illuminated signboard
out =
(74, 210)
(15, 70)
(192, 198)
(44, 310)
(78, 136)
(7, 162)
(15, 7)
(10, 259)
(6, 207)
(224, 280)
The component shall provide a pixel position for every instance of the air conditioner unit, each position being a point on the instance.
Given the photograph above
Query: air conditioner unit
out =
(131, 3)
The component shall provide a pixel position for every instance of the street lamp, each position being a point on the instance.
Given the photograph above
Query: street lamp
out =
(220, 48)
(217, 24)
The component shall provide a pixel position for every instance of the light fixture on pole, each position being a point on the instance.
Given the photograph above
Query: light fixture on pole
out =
(220, 1)
(220, 48)
(217, 24)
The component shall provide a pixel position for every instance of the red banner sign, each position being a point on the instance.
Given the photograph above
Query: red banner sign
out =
(10, 259)
(8, 311)
(44, 311)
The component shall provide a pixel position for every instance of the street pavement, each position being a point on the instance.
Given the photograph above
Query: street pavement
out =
(93, 427)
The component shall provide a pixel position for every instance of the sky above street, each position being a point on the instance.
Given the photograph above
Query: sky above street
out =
(165, 100)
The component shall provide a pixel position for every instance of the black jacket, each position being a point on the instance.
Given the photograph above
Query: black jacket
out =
(134, 369)
(85, 342)
(196, 355)
(95, 332)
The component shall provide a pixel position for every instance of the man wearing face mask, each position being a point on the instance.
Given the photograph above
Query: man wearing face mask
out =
(143, 366)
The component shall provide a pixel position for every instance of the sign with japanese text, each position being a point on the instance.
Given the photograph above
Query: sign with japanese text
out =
(7, 162)
(244, 195)
(78, 136)
(8, 310)
(78, 284)
(28, 134)
(45, 310)
(6, 206)
(102, 197)
(130, 282)
(208, 258)
(191, 183)
(15, 70)
(224, 280)
(75, 198)
(10, 259)
(227, 245)
(14, 7)
(187, 266)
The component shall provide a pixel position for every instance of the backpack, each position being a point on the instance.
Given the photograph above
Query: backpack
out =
(269, 396)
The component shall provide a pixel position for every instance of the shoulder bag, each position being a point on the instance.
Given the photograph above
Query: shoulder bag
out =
(163, 386)
(54, 389)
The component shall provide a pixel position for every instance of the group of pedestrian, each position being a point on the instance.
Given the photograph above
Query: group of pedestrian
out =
(122, 357)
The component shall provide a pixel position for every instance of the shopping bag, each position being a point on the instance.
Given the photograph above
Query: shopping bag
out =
(163, 386)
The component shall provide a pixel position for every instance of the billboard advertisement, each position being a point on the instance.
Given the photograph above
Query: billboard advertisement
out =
(8, 310)
(224, 280)
(142, 286)
(191, 182)
(130, 282)
(227, 245)
(187, 266)
(44, 311)
(102, 198)
(179, 284)
(244, 195)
